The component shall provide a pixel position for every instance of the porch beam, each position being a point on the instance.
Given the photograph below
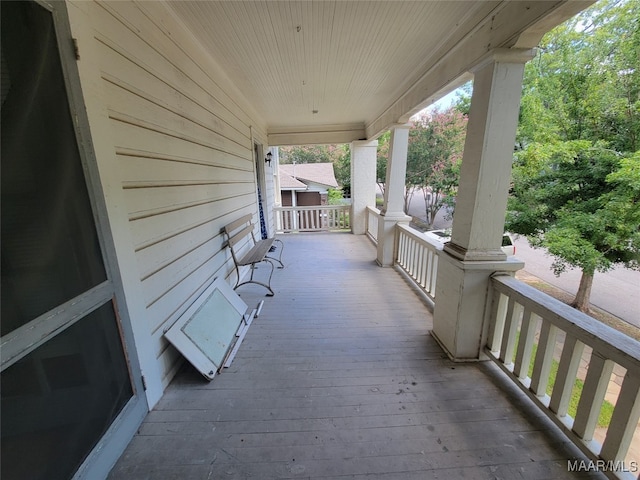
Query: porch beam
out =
(392, 211)
(456, 57)
(363, 183)
(316, 135)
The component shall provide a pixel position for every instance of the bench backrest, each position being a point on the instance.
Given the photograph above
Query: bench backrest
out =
(236, 231)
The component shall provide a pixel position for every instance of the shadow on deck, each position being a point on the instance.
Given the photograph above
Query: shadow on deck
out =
(339, 378)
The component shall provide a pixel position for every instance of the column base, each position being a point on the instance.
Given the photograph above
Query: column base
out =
(387, 237)
(460, 310)
(451, 357)
(461, 253)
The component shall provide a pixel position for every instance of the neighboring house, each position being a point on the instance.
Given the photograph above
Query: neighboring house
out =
(133, 131)
(306, 184)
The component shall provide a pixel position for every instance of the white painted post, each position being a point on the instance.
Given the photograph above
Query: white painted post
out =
(363, 183)
(525, 344)
(624, 420)
(514, 312)
(593, 394)
(566, 376)
(275, 152)
(485, 172)
(544, 359)
(294, 210)
(393, 209)
(474, 252)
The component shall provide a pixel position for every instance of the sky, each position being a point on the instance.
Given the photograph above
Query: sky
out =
(442, 104)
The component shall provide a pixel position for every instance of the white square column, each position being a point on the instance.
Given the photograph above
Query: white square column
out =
(474, 252)
(393, 209)
(485, 172)
(363, 182)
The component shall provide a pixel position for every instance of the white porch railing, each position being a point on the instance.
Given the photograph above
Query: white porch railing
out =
(522, 317)
(371, 223)
(417, 256)
(312, 219)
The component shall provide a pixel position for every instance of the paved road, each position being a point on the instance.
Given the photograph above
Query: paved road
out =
(616, 291)
(417, 209)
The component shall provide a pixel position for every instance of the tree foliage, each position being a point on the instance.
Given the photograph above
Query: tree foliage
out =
(342, 167)
(308, 154)
(436, 143)
(462, 102)
(382, 154)
(575, 173)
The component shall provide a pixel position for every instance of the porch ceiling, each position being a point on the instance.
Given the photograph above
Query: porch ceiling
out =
(343, 70)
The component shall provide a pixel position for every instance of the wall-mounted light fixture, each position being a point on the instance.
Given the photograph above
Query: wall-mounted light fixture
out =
(267, 159)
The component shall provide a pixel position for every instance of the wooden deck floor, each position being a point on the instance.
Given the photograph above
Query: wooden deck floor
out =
(339, 378)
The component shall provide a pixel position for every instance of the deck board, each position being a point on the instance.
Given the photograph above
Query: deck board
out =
(339, 378)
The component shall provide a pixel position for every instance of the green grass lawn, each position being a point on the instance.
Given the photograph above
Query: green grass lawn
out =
(607, 408)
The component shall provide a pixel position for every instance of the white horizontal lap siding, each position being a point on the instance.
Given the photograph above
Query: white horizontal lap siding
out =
(184, 153)
(124, 26)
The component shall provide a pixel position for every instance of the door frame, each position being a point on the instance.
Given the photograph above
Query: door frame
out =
(24, 340)
(110, 447)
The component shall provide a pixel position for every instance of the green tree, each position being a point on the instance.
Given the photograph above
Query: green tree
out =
(573, 188)
(584, 83)
(436, 143)
(342, 168)
(578, 200)
(305, 154)
(381, 159)
(462, 103)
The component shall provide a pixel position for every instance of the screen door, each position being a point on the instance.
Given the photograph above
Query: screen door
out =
(65, 376)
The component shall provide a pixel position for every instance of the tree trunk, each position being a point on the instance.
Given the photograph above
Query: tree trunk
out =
(581, 301)
(408, 196)
(432, 206)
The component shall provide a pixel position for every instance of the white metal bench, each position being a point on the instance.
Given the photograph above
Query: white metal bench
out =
(259, 251)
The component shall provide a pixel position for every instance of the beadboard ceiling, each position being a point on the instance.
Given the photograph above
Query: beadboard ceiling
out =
(313, 66)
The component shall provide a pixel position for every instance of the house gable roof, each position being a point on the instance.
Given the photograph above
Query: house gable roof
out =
(287, 182)
(321, 173)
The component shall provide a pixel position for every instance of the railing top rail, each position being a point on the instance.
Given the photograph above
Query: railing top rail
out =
(373, 209)
(613, 344)
(313, 207)
(417, 235)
